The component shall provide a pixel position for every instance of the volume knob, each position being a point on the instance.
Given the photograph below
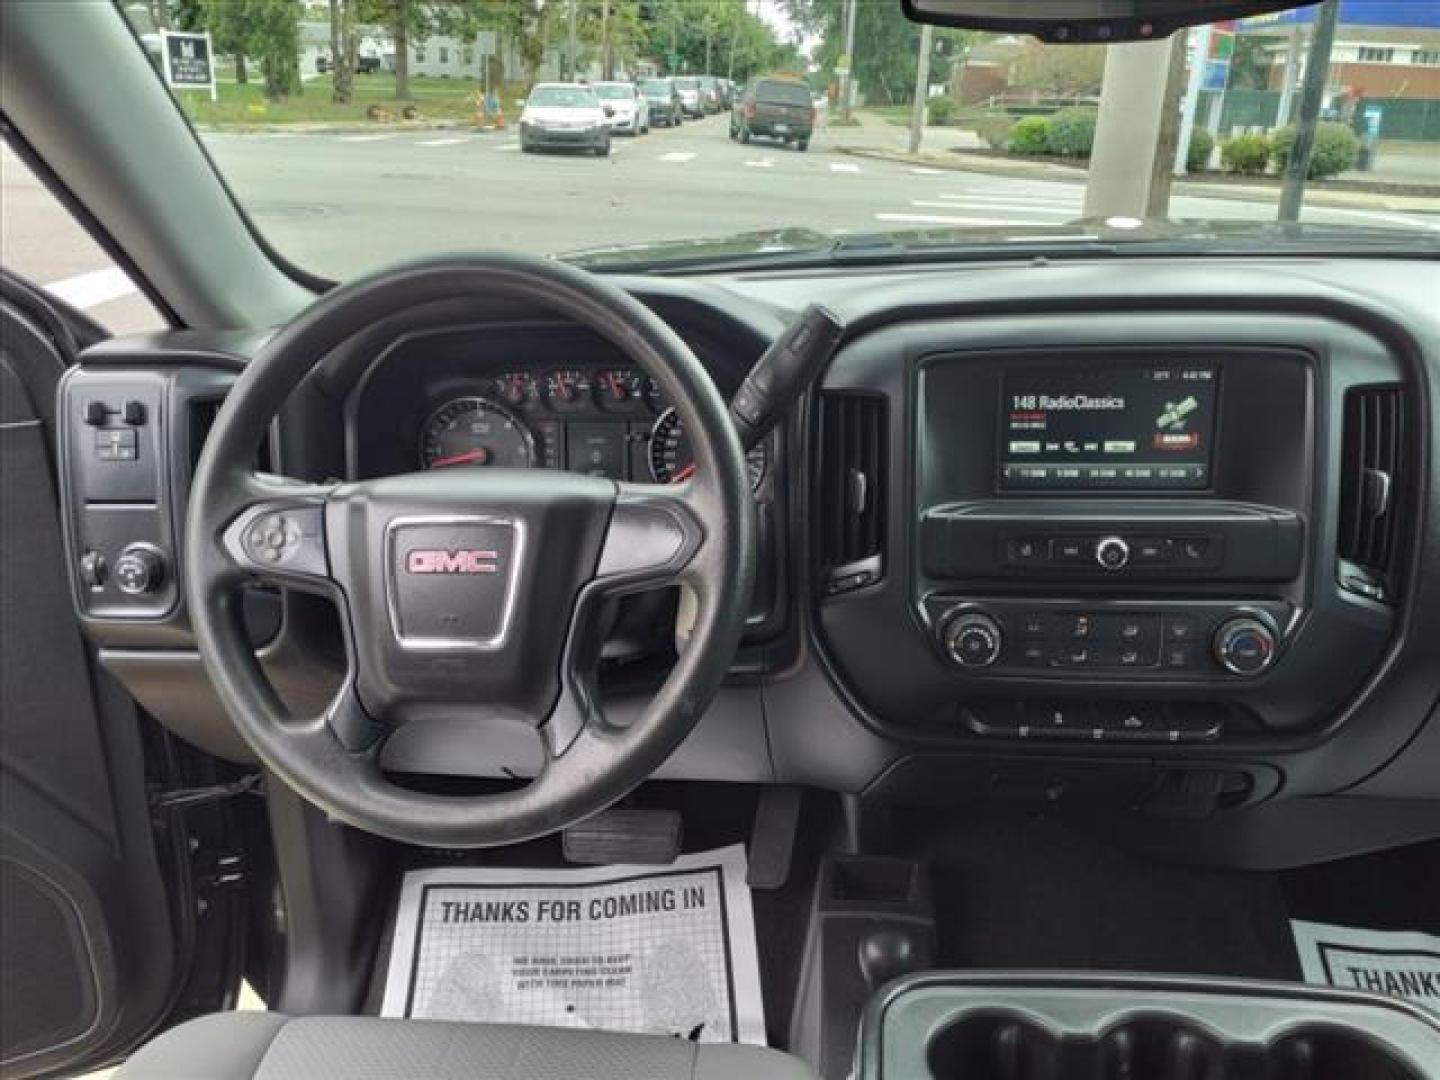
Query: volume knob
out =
(1112, 553)
(973, 640)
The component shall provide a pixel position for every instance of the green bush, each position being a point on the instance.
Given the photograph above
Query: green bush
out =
(1336, 149)
(942, 110)
(1030, 135)
(1197, 156)
(1072, 133)
(1245, 154)
(994, 128)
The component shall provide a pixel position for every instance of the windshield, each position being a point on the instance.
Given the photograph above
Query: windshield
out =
(803, 144)
(573, 97)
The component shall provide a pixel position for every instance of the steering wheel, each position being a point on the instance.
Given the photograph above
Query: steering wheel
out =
(469, 593)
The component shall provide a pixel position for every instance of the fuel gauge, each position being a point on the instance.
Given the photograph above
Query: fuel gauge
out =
(567, 390)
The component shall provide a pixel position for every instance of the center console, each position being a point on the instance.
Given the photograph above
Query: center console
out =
(1123, 531)
(1035, 1026)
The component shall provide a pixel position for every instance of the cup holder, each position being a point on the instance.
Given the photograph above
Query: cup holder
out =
(995, 1046)
(1333, 1053)
(1162, 1047)
(1003, 1045)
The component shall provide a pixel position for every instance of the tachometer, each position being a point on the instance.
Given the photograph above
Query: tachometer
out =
(672, 461)
(475, 431)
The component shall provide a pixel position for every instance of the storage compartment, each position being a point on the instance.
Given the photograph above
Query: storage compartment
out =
(1022, 1026)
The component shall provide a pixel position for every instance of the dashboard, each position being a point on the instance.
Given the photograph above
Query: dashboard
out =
(518, 397)
(1154, 537)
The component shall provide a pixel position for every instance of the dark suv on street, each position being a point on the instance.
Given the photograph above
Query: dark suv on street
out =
(665, 105)
(774, 108)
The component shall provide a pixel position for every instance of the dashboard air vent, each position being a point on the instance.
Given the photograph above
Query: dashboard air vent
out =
(1372, 464)
(850, 470)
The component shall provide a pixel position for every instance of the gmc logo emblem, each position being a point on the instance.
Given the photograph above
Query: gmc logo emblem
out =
(462, 561)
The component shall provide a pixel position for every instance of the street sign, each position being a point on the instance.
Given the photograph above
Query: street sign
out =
(188, 61)
(1217, 74)
(486, 42)
(842, 65)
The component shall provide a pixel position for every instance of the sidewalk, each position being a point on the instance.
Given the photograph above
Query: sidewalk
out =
(943, 147)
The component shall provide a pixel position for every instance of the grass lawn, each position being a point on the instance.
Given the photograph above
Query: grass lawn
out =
(899, 115)
(241, 104)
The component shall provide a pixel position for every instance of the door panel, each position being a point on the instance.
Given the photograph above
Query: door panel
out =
(88, 960)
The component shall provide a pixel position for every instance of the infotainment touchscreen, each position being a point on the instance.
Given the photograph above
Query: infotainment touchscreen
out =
(1075, 428)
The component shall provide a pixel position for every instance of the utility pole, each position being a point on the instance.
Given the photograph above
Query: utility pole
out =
(1312, 96)
(1200, 47)
(607, 68)
(847, 81)
(574, 68)
(922, 88)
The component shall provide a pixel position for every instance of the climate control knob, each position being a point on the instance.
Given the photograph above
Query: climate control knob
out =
(1112, 553)
(973, 640)
(1244, 646)
(140, 569)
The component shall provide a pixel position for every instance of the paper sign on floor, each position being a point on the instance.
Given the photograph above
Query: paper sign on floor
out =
(1403, 964)
(668, 950)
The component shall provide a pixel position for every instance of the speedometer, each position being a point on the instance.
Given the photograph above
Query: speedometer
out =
(672, 461)
(475, 431)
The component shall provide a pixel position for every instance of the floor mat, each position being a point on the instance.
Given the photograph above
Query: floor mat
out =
(668, 950)
(1401, 964)
(1019, 892)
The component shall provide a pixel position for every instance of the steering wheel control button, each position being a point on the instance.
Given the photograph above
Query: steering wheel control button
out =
(973, 640)
(1112, 553)
(450, 581)
(1245, 646)
(1071, 549)
(1026, 551)
(140, 569)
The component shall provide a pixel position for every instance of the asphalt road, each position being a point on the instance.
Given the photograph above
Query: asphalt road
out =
(338, 203)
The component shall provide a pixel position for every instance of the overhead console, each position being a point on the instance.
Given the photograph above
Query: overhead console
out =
(1178, 528)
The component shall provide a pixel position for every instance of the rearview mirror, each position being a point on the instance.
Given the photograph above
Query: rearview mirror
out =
(1072, 21)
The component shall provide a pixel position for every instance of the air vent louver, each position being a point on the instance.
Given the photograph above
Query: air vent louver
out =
(1372, 470)
(850, 466)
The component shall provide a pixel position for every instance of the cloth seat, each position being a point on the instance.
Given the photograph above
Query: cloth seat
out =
(272, 1046)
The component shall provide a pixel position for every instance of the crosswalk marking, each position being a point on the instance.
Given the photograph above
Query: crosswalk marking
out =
(946, 219)
(677, 157)
(1017, 196)
(508, 146)
(922, 171)
(441, 142)
(844, 167)
(763, 163)
(1054, 211)
(366, 138)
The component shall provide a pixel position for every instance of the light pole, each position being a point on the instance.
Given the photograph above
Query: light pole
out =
(574, 69)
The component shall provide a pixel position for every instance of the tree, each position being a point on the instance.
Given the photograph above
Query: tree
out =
(342, 64)
(268, 30)
(229, 28)
(1250, 63)
(1059, 70)
(416, 20)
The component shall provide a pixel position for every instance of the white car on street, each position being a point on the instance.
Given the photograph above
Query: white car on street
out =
(629, 111)
(565, 115)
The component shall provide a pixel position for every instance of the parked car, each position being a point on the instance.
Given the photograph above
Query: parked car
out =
(663, 101)
(629, 110)
(774, 108)
(710, 93)
(565, 115)
(364, 65)
(692, 100)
